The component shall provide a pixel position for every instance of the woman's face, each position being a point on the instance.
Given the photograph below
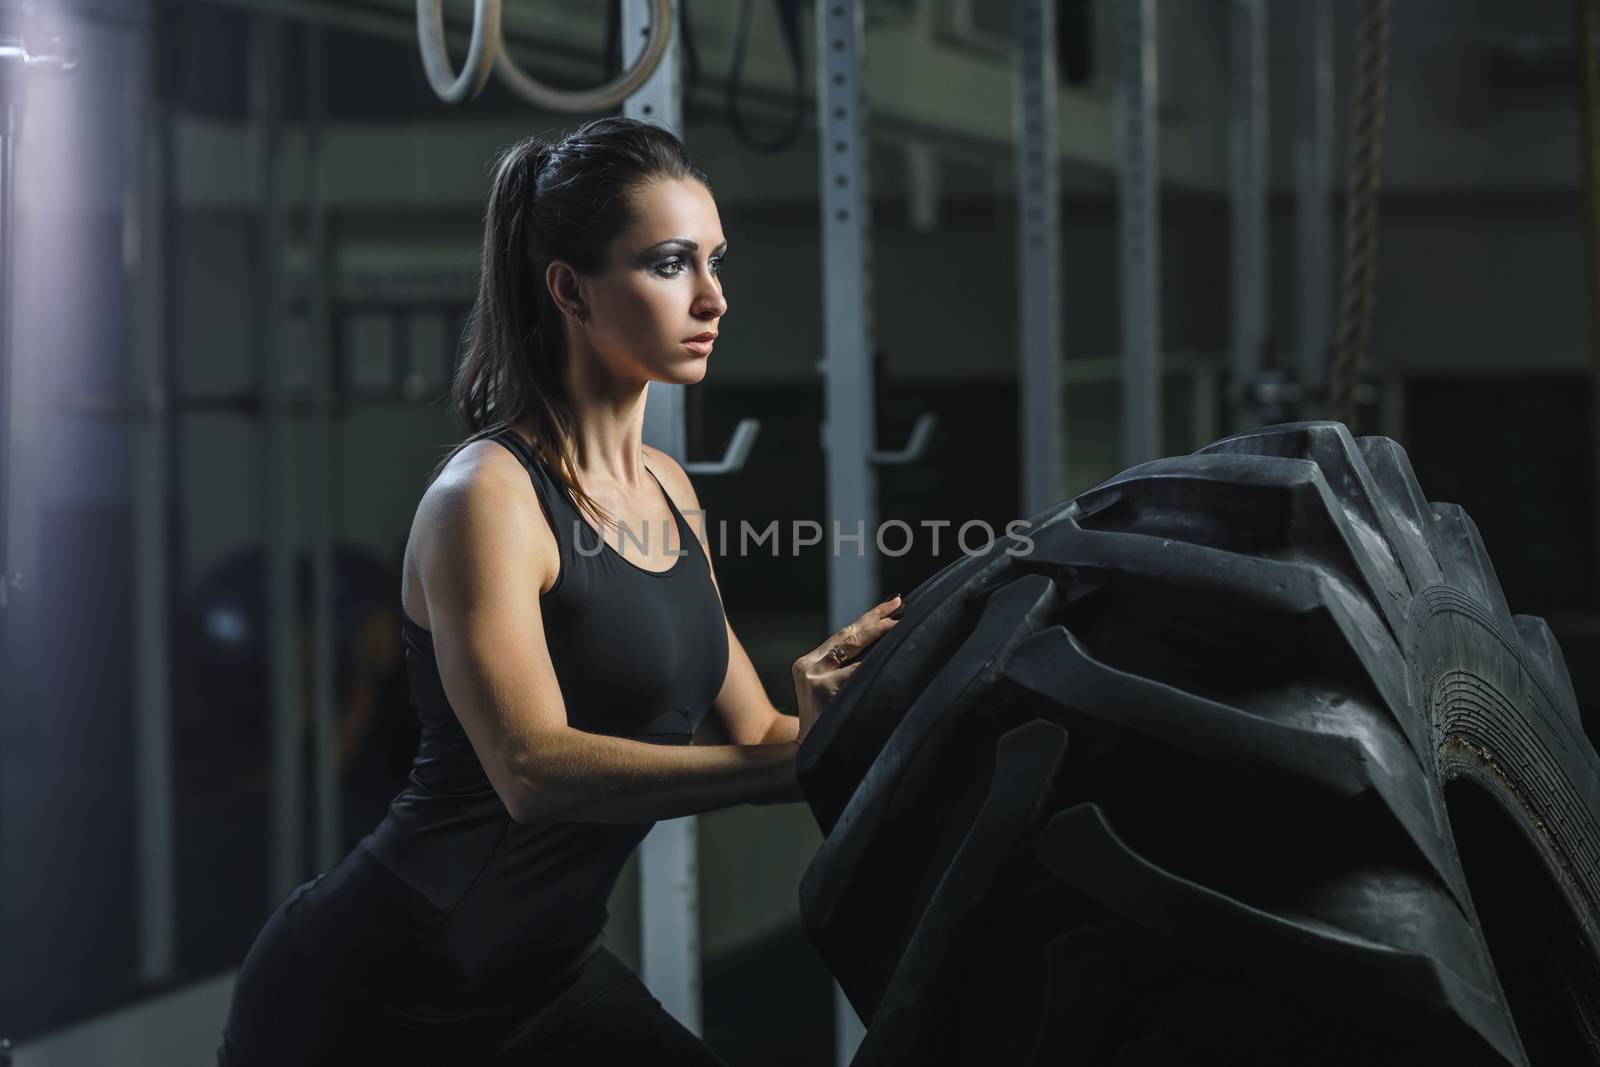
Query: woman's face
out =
(660, 290)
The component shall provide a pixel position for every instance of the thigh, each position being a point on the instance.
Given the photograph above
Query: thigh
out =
(606, 1016)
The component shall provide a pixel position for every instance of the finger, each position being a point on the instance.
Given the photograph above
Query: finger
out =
(846, 639)
(882, 610)
(864, 619)
(877, 630)
(837, 679)
(864, 637)
(867, 627)
(850, 652)
(870, 617)
(854, 637)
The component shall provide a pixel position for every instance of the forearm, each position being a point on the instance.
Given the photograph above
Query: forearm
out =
(785, 729)
(585, 777)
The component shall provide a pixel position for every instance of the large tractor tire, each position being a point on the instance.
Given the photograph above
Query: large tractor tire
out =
(1243, 760)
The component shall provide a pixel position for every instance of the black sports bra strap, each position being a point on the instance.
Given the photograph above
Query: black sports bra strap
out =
(550, 491)
(513, 440)
(676, 514)
(541, 485)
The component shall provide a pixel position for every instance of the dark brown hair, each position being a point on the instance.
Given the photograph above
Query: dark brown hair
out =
(566, 200)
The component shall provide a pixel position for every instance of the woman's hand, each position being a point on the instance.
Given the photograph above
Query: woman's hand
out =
(819, 673)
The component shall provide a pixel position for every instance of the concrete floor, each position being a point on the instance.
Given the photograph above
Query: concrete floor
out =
(768, 1004)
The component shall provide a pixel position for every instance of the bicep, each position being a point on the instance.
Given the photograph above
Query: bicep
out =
(741, 704)
(481, 574)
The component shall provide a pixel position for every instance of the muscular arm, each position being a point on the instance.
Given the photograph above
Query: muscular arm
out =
(784, 730)
(486, 544)
(585, 777)
(742, 705)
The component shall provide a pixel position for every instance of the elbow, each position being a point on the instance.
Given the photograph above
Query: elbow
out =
(530, 804)
(531, 801)
(522, 809)
(531, 796)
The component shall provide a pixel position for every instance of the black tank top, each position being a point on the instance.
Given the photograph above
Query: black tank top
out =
(638, 654)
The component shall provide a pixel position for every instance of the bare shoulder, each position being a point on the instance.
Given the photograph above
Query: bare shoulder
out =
(479, 521)
(483, 477)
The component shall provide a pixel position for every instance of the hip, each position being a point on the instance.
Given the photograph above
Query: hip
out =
(358, 960)
(310, 987)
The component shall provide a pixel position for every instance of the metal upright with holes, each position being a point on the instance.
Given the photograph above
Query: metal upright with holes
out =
(1247, 198)
(283, 691)
(149, 448)
(659, 100)
(849, 430)
(1041, 406)
(320, 470)
(1313, 221)
(17, 66)
(849, 427)
(13, 66)
(1138, 168)
(669, 905)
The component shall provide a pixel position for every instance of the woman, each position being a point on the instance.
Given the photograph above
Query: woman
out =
(559, 673)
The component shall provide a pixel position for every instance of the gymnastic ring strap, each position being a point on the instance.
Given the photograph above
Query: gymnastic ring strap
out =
(607, 97)
(449, 86)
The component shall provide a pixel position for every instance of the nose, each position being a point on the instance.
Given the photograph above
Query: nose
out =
(709, 301)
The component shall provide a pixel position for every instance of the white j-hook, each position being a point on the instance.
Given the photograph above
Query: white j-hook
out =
(485, 45)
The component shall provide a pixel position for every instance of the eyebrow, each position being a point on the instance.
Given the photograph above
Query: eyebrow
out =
(681, 242)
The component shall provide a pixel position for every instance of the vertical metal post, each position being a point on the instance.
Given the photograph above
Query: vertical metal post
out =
(149, 442)
(1247, 197)
(922, 186)
(1313, 173)
(320, 468)
(10, 81)
(1202, 403)
(16, 65)
(849, 429)
(658, 100)
(283, 691)
(1041, 404)
(12, 71)
(1138, 171)
(669, 886)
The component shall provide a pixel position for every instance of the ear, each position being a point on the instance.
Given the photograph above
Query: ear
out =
(565, 287)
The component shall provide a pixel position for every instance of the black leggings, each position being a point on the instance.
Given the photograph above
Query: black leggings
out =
(299, 1001)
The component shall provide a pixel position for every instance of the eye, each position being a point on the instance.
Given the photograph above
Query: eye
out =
(674, 261)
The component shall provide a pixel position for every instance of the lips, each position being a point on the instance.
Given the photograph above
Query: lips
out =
(702, 337)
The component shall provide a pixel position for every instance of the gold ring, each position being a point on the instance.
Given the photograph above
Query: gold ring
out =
(838, 654)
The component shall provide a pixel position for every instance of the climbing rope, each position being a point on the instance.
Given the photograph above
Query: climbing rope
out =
(1359, 283)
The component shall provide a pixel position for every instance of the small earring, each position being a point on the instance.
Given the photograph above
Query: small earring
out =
(580, 317)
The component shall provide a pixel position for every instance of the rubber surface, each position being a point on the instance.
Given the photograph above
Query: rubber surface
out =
(1283, 672)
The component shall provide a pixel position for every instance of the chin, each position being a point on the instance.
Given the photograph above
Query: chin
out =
(687, 372)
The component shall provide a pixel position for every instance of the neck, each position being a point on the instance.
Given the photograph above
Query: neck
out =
(608, 413)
